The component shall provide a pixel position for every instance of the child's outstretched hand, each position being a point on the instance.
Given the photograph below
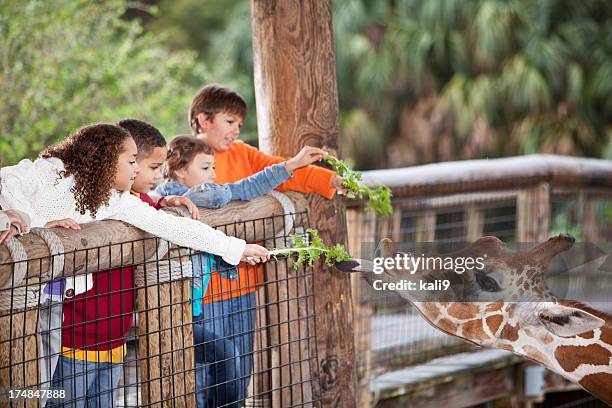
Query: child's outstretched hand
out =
(306, 156)
(177, 201)
(253, 254)
(18, 224)
(337, 183)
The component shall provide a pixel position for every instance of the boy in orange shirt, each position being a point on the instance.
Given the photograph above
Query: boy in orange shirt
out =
(216, 115)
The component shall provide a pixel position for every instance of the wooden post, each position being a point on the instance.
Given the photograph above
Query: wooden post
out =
(396, 223)
(474, 218)
(587, 212)
(18, 355)
(297, 104)
(425, 228)
(533, 213)
(361, 229)
(261, 379)
(165, 338)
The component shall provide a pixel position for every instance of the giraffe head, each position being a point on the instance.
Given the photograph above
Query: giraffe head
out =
(507, 305)
(490, 305)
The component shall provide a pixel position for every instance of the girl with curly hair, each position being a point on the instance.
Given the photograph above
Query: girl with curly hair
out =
(87, 177)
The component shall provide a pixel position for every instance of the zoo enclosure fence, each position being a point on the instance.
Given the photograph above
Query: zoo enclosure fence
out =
(148, 294)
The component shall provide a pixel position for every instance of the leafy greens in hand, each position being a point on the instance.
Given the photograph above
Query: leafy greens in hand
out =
(311, 252)
(379, 198)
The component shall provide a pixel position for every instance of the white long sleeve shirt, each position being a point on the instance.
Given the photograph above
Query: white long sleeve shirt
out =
(37, 189)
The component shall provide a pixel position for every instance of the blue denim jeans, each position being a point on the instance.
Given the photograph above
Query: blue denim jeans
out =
(234, 320)
(217, 368)
(87, 384)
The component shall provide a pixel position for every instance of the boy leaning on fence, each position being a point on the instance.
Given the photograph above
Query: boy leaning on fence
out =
(215, 116)
(190, 172)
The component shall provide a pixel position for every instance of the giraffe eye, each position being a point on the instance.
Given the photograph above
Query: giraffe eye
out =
(560, 320)
(487, 283)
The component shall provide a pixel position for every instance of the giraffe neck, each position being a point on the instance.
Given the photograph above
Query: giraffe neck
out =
(585, 359)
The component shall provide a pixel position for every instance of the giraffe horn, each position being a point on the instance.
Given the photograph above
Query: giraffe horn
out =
(554, 246)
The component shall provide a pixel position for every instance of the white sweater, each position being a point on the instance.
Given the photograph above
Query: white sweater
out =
(36, 189)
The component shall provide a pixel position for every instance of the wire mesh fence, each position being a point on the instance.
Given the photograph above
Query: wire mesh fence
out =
(145, 323)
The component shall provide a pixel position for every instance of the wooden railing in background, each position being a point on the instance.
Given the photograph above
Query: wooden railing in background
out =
(529, 183)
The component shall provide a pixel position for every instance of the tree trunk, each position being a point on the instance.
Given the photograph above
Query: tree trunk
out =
(297, 105)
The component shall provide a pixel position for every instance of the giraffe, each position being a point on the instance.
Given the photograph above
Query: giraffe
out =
(508, 305)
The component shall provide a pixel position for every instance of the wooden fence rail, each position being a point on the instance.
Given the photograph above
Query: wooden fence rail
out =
(166, 345)
(530, 185)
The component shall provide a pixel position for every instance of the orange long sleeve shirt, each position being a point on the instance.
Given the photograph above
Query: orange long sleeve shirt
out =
(240, 161)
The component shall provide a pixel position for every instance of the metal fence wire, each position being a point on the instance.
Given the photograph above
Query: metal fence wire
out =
(160, 331)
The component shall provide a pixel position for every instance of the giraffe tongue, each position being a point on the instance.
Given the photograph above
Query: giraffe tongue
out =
(355, 265)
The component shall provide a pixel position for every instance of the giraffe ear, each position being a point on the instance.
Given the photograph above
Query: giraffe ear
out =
(385, 248)
(565, 321)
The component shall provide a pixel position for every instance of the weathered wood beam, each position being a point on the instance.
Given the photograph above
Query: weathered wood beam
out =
(114, 243)
(493, 174)
(533, 214)
(297, 105)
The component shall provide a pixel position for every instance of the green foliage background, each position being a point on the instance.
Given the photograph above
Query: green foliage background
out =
(419, 80)
(67, 63)
(431, 80)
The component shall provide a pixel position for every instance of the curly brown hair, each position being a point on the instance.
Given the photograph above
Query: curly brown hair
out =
(181, 151)
(90, 155)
